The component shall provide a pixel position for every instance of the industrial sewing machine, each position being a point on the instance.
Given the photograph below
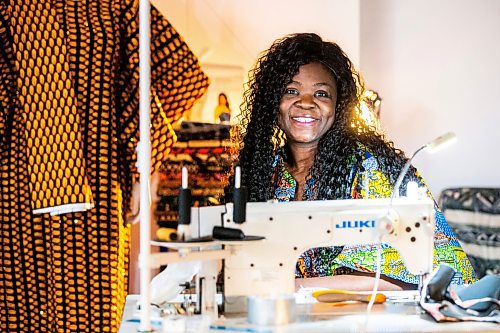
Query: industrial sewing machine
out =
(263, 267)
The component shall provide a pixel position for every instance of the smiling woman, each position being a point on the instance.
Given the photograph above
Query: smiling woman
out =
(301, 139)
(306, 113)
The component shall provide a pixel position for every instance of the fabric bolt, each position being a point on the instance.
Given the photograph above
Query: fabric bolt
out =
(474, 215)
(327, 261)
(68, 131)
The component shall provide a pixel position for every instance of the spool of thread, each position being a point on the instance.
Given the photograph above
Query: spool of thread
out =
(184, 206)
(184, 229)
(166, 234)
(239, 204)
(240, 196)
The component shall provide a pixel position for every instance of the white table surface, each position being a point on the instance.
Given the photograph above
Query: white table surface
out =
(395, 316)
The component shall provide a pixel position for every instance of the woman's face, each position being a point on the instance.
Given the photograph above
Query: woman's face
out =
(222, 99)
(307, 107)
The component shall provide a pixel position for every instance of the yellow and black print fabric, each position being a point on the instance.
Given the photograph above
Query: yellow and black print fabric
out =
(68, 131)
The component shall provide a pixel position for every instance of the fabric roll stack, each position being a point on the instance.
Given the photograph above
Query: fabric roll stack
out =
(474, 214)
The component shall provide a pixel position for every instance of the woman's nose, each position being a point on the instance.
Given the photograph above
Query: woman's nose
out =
(305, 101)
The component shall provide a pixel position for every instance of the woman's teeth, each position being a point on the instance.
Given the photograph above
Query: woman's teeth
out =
(303, 119)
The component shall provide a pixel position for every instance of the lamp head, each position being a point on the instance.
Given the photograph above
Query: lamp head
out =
(440, 142)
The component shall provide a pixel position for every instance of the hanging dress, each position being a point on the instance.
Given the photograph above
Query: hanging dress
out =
(69, 122)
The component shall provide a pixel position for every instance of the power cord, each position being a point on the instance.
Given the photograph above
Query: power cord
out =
(375, 285)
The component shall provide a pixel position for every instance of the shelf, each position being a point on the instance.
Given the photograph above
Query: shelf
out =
(203, 244)
(185, 245)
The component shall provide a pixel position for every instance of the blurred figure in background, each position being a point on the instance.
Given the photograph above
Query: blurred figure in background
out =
(222, 111)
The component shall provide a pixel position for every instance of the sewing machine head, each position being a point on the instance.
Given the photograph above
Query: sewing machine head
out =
(291, 228)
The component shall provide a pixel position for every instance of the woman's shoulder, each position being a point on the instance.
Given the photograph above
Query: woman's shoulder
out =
(362, 153)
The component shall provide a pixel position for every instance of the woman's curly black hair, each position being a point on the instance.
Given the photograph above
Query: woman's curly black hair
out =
(259, 137)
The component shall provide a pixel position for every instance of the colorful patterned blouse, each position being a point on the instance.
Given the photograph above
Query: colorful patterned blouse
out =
(326, 261)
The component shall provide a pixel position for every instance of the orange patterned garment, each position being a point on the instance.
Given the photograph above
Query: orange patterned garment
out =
(68, 131)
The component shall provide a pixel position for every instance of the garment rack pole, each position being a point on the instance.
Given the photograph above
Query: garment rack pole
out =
(144, 163)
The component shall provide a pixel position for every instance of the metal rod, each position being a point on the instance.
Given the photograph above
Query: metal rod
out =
(184, 178)
(237, 177)
(144, 162)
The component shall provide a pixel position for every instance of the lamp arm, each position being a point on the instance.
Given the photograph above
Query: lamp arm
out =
(402, 173)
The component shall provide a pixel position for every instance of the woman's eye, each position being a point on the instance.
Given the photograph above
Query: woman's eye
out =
(322, 94)
(291, 91)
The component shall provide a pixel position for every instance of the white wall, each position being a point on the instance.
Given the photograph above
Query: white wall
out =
(228, 35)
(437, 66)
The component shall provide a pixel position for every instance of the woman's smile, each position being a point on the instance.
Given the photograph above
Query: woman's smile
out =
(304, 120)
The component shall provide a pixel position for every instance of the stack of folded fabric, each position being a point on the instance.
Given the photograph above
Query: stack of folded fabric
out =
(474, 215)
(204, 150)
